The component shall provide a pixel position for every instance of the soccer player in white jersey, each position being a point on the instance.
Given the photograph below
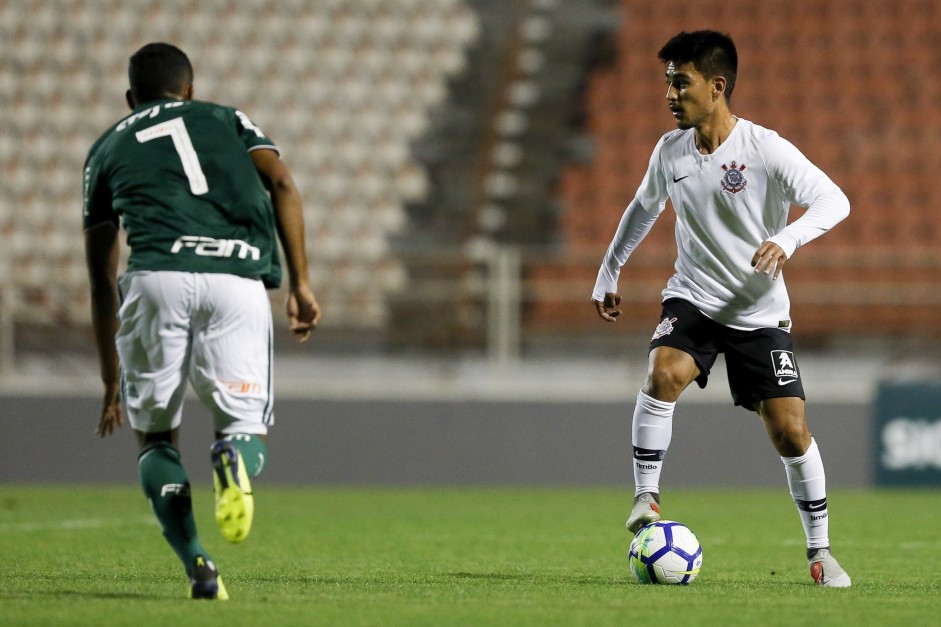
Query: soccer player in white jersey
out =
(731, 183)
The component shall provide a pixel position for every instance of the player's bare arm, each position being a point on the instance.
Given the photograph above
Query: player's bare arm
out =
(303, 311)
(769, 258)
(101, 256)
(607, 308)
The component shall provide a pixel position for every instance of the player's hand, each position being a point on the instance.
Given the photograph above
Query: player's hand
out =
(303, 312)
(769, 258)
(607, 308)
(112, 413)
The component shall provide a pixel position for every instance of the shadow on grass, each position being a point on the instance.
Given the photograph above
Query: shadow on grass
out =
(578, 580)
(463, 577)
(84, 594)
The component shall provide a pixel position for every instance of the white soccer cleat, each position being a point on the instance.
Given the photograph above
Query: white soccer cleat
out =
(826, 571)
(646, 510)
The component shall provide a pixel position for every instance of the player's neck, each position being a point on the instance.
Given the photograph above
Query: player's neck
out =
(713, 131)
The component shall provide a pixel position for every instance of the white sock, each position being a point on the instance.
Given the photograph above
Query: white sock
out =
(651, 432)
(805, 478)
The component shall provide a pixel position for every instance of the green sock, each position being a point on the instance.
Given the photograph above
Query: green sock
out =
(167, 486)
(253, 450)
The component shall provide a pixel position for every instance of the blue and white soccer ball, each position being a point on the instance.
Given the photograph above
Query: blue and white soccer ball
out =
(665, 552)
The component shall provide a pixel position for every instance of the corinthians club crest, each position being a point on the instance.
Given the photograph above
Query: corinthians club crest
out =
(664, 328)
(734, 181)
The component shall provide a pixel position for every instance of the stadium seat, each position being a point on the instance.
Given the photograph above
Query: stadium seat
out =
(873, 143)
(344, 88)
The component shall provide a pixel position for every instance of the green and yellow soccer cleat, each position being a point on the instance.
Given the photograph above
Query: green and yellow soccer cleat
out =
(235, 505)
(205, 582)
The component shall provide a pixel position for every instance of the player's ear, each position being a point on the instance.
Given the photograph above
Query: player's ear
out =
(188, 91)
(130, 98)
(718, 87)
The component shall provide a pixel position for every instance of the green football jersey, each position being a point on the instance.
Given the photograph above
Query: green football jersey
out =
(179, 176)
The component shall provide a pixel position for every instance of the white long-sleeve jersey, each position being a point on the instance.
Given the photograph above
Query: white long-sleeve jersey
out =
(727, 204)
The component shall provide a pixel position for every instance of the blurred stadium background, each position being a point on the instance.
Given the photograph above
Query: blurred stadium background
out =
(464, 164)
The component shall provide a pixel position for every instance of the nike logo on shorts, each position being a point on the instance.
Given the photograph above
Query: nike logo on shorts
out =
(677, 180)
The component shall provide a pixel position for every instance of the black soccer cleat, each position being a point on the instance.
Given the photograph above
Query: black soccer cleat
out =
(205, 582)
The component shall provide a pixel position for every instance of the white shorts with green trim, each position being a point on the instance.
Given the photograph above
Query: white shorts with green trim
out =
(213, 331)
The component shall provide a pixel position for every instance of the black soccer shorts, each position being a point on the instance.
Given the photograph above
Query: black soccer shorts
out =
(760, 363)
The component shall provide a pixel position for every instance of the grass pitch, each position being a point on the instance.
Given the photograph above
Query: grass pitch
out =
(79, 555)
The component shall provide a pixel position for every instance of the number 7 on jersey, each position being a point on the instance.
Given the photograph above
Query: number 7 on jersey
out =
(175, 129)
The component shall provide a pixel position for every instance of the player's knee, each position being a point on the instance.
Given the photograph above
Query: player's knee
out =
(665, 384)
(786, 424)
(791, 439)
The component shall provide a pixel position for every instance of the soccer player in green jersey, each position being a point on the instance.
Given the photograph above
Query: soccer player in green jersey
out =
(204, 198)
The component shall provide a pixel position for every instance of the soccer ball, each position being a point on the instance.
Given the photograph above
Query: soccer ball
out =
(665, 552)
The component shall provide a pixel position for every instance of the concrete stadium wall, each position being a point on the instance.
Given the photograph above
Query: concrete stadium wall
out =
(488, 443)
